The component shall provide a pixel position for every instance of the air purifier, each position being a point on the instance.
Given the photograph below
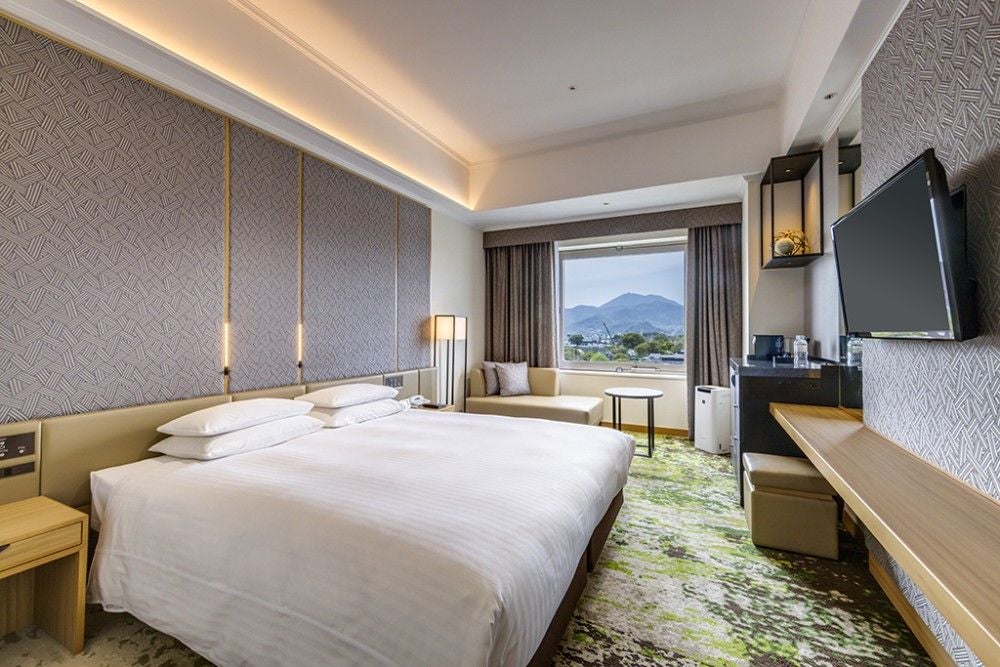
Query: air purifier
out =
(712, 424)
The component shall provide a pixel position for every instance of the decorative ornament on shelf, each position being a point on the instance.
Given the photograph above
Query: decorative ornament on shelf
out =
(790, 242)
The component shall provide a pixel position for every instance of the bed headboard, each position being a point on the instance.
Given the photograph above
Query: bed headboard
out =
(68, 449)
(76, 445)
(412, 382)
(274, 392)
(369, 379)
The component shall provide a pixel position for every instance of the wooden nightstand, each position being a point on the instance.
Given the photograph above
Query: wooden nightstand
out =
(445, 408)
(43, 569)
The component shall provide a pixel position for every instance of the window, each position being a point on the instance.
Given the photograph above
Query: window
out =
(622, 307)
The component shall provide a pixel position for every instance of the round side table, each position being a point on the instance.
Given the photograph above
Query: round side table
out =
(618, 393)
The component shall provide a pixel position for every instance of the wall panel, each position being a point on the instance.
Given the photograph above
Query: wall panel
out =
(113, 255)
(936, 83)
(414, 292)
(111, 234)
(264, 260)
(349, 274)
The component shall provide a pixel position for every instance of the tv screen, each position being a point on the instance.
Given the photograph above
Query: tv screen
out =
(901, 259)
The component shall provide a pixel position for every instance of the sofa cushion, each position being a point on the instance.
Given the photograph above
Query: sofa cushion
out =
(513, 379)
(573, 409)
(490, 380)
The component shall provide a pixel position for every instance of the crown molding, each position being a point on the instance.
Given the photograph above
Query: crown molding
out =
(95, 35)
(280, 30)
(853, 91)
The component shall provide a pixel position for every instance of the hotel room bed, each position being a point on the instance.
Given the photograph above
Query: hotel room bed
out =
(420, 538)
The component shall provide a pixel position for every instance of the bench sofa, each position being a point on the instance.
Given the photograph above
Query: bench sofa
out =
(544, 402)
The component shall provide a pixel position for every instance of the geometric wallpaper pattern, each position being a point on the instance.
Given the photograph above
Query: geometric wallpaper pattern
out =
(111, 236)
(935, 83)
(349, 274)
(413, 325)
(263, 260)
(112, 248)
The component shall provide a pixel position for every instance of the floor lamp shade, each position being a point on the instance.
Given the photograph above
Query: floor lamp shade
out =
(449, 332)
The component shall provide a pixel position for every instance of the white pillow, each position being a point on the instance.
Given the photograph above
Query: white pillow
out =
(205, 448)
(343, 395)
(227, 417)
(355, 414)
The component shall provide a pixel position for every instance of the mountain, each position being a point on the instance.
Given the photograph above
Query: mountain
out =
(642, 313)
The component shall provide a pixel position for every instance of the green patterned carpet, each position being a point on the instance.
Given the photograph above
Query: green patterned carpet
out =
(679, 584)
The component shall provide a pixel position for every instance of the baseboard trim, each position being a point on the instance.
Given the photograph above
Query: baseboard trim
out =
(916, 624)
(660, 430)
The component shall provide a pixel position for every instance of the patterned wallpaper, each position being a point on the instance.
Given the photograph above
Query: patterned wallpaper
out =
(111, 208)
(414, 294)
(936, 83)
(349, 274)
(264, 260)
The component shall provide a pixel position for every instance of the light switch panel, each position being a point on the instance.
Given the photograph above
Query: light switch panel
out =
(14, 446)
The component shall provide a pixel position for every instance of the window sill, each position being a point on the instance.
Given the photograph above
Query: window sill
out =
(661, 375)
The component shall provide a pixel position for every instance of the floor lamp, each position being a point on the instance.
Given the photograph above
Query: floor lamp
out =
(449, 331)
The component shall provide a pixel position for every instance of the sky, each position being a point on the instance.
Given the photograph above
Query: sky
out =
(596, 280)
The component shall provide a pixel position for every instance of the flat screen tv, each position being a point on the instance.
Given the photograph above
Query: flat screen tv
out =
(901, 259)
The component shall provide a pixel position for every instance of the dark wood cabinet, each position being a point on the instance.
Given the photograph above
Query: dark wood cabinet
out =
(755, 385)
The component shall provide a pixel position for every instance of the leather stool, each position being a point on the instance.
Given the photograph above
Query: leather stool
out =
(789, 505)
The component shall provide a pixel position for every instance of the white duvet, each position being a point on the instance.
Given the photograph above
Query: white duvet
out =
(417, 539)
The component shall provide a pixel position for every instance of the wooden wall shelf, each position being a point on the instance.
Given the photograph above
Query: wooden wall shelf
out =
(943, 532)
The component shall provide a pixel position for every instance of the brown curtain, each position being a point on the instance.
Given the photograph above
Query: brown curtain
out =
(714, 308)
(520, 304)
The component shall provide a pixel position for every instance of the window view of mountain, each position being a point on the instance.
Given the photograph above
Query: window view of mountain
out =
(629, 328)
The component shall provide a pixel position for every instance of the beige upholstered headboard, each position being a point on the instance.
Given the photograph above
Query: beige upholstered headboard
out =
(68, 449)
(76, 445)
(412, 382)
(368, 379)
(275, 392)
(427, 382)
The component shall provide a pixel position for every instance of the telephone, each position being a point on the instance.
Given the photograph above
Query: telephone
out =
(417, 400)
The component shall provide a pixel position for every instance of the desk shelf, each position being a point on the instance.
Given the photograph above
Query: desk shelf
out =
(944, 533)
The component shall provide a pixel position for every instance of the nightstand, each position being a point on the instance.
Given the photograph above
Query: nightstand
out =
(43, 569)
(445, 408)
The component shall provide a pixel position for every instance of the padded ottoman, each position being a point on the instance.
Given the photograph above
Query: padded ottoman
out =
(789, 505)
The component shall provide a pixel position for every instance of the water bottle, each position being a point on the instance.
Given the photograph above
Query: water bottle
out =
(854, 347)
(800, 349)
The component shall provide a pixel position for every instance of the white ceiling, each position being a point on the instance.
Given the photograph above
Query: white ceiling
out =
(489, 79)
(465, 104)
(706, 192)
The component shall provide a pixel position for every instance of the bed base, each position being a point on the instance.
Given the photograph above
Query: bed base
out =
(588, 561)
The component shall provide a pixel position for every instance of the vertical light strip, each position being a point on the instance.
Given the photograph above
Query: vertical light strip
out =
(225, 261)
(300, 328)
(225, 346)
(396, 287)
(299, 344)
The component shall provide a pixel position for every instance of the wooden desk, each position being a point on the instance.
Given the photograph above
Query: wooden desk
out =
(43, 569)
(944, 533)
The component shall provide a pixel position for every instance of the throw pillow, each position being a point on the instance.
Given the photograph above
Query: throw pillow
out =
(490, 375)
(513, 379)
